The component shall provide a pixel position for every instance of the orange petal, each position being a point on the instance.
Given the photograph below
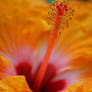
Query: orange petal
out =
(80, 87)
(14, 84)
(77, 43)
(6, 69)
(21, 22)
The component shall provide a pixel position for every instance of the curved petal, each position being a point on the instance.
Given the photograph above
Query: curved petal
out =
(14, 84)
(80, 87)
(20, 21)
(6, 69)
(20, 34)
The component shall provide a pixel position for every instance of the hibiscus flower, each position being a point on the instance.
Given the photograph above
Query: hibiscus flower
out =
(32, 55)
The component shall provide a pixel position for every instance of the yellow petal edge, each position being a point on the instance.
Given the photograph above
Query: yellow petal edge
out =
(80, 87)
(14, 84)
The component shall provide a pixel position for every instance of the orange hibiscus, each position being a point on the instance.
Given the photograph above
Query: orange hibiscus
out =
(28, 49)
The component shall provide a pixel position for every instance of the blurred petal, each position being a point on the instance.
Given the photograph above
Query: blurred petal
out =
(20, 33)
(6, 69)
(80, 87)
(14, 84)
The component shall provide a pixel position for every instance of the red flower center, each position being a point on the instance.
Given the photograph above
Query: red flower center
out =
(47, 84)
(42, 79)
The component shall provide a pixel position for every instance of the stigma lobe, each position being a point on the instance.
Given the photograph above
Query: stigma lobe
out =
(59, 15)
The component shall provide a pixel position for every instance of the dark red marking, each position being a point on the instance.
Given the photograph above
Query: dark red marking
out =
(61, 5)
(65, 6)
(57, 6)
(25, 68)
(49, 86)
(55, 86)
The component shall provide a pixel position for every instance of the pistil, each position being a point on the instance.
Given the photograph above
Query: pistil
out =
(59, 15)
